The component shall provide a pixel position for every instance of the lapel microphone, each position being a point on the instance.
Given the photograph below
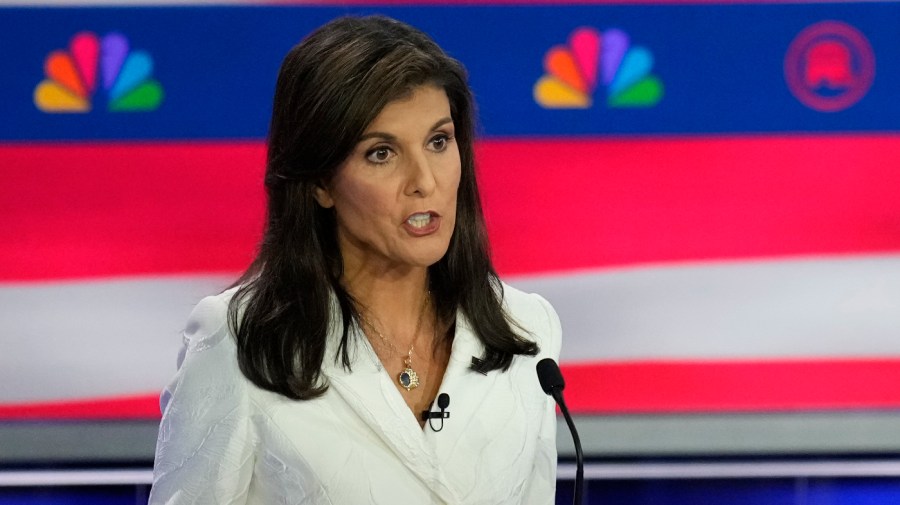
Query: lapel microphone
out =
(552, 383)
(443, 401)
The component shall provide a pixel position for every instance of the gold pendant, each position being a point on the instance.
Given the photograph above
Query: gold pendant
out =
(408, 378)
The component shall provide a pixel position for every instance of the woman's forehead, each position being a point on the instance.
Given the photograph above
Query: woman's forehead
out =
(424, 108)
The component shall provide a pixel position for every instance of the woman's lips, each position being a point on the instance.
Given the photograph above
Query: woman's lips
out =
(422, 223)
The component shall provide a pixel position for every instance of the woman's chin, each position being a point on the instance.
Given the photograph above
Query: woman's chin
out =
(427, 257)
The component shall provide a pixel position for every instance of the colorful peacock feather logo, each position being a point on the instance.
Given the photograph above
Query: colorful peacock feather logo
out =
(572, 72)
(74, 76)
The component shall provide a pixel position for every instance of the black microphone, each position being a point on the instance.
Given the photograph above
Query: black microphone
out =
(552, 383)
(443, 401)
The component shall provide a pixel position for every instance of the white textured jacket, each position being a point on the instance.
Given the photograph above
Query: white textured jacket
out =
(224, 441)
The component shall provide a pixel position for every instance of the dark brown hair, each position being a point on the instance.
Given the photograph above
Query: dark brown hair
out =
(330, 88)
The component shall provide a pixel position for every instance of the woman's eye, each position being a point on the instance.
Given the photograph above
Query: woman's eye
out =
(439, 143)
(379, 155)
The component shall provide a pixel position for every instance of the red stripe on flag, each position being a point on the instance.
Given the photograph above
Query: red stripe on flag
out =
(128, 209)
(746, 386)
(70, 211)
(563, 205)
(633, 388)
(130, 407)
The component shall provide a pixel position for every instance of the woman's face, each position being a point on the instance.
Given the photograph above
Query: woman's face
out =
(395, 195)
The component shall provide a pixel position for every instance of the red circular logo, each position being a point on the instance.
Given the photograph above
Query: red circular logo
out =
(829, 66)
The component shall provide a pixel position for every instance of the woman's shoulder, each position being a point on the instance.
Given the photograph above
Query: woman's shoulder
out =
(207, 326)
(522, 304)
(207, 362)
(206, 435)
(207, 359)
(537, 316)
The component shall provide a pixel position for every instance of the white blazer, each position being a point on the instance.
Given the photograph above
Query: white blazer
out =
(224, 441)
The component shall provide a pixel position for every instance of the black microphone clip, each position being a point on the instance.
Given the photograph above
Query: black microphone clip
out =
(443, 401)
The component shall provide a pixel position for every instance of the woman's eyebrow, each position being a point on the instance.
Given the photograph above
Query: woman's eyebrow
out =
(391, 137)
(377, 135)
(441, 122)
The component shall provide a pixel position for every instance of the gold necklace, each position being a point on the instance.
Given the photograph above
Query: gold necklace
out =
(408, 378)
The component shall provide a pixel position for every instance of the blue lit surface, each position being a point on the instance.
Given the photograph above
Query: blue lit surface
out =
(781, 491)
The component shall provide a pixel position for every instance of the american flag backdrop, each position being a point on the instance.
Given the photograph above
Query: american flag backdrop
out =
(708, 193)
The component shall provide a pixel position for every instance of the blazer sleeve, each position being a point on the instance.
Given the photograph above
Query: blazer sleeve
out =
(205, 450)
(542, 483)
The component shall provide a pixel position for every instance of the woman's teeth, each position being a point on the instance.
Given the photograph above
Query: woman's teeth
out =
(419, 220)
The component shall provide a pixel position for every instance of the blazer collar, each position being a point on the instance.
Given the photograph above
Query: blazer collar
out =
(371, 393)
(465, 387)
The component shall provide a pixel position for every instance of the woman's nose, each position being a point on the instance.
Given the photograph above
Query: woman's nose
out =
(421, 176)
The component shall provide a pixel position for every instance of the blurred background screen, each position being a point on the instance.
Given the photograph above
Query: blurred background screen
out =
(706, 192)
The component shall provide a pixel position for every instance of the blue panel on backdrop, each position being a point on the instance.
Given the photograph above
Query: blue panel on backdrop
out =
(754, 491)
(82, 495)
(862, 491)
(698, 69)
(693, 492)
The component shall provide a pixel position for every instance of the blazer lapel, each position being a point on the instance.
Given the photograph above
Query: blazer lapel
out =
(464, 386)
(371, 394)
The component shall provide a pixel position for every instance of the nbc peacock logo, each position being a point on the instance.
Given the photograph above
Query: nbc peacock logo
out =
(575, 71)
(74, 77)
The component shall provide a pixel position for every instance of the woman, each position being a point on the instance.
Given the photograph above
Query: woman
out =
(372, 293)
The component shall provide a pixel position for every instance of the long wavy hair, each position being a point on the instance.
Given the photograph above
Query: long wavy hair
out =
(330, 87)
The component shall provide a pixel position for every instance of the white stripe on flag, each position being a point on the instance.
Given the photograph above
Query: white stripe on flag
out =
(119, 337)
(814, 307)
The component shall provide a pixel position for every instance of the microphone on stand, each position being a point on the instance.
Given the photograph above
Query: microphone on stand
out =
(552, 383)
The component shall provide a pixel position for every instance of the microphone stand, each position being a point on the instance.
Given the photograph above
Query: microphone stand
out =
(579, 456)
(552, 383)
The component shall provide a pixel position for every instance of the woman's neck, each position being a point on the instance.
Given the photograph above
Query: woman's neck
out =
(393, 300)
